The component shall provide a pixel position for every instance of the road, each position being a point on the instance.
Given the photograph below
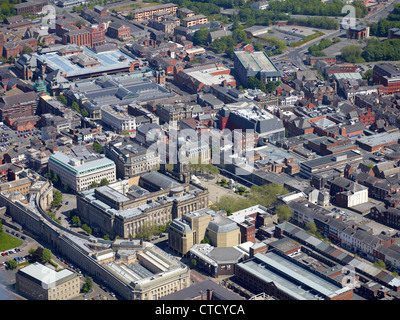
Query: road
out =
(381, 13)
(296, 55)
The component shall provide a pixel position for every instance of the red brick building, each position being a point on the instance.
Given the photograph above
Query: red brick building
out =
(80, 37)
(22, 123)
(389, 76)
(358, 32)
(368, 118)
(86, 36)
(21, 105)
(11, 49)
(97, 35)
(328, 59)
(117, 30)
(30, 7)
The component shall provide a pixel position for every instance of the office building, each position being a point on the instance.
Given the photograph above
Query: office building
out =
(117, 118)
(131, 159)
(329, 162)
(387, 75)
(79, 168)
(148, 270)
(39, 282)
(190, 229)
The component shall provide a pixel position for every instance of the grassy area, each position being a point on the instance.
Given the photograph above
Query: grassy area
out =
(133, 6)
(8, 242)
(307, 39)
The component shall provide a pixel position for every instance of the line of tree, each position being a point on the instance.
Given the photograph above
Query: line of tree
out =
(317, 22)
(307, 39)
(377, 50)
(316, 7)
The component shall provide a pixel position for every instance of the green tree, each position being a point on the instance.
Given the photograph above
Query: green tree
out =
(11, 264)
(147, 232)
(84, 113)
(46, 255)
(205, 240)
(380, 264)
(200, 37)
(352, 54)
(258, 46)
(97, 147)
(311, 227)
(86, 228)
(284, 213)
(368, 74)
(76, 221)
(57, 198)
(55, 179)
(94, 184)
(104, 182)
(48, 175)
(88, 285)
(62, 99)
(75, 106)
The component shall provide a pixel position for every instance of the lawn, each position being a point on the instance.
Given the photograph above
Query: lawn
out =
(8, 242)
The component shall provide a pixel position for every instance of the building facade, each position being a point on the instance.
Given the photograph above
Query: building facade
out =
(39, 282)
(80, 168)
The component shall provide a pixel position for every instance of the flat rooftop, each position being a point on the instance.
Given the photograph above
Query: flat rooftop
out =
(332, 158)
(45, 276)
(107, 61)
(79, 163)
(291, 277)
(256, 61)
(208, 78)
(380, 138)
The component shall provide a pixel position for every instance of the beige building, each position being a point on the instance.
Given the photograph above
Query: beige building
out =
(151, 272)
(157, 199)
(189, 230)
(149, 12)
(194, 20)
(39, 282)
(193, 227)
(223, 232)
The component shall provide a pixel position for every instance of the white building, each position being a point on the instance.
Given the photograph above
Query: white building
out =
(80, 168)
(117, 118)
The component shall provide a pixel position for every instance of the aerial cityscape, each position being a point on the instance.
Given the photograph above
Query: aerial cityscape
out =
(200, 150)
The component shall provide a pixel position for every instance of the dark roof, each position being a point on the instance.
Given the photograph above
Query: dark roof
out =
(160, 180)
(6, 102)
(195, 290)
